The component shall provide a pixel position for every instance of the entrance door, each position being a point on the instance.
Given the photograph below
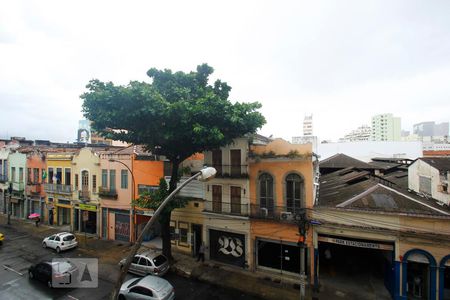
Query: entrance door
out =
(122, 227)
(235, 200)
(197, 238)
(217, 161)
(417, 280)
(217, 198)
(235, 158)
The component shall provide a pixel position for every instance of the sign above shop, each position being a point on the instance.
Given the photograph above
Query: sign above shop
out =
(359, 244)
(88, 207)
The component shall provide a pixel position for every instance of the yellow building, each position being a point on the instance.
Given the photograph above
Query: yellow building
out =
(59, 188)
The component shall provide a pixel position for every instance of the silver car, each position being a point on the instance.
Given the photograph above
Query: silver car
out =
(148, 287)
(148, 263)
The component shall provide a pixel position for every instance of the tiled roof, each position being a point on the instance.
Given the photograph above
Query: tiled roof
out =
(356, 189)
(440, 163)
(341, 161)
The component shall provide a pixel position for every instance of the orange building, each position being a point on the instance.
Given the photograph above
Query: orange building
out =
(281, 179)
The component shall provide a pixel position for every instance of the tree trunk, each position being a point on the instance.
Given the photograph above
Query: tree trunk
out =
(165, 216)
(165, 235)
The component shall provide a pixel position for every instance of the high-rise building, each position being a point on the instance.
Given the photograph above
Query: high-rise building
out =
(430, 131)
(385, 127)
(308, 125)
(362, 133)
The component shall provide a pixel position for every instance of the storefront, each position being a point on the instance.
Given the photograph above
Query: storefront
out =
(280, 256)
(63, 212)
(17, 207)
(86, 218)
(142, 217)
(227, 247)
(356, 261)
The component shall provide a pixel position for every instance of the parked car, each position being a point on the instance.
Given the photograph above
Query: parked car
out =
(54, 273)
(148, 263)
(2, 237)
(60, 241)
(148, 287)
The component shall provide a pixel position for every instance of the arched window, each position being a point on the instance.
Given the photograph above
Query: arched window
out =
(266, 192)
(294, 191)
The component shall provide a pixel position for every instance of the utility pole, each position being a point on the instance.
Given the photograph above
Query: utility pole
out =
(303, 225)
(10, 188)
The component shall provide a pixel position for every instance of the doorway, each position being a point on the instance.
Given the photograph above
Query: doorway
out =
(197, 238)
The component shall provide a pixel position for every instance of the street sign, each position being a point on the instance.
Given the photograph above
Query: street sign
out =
(85, 215)
(88, 207)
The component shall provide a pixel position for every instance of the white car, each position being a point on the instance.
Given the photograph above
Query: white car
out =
(148, 263)
(60, 241)
(149, 287)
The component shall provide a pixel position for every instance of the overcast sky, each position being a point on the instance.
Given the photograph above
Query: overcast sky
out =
(342, 61)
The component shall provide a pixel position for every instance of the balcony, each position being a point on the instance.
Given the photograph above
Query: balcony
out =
(34, 188)
(277, 213)
(227, 208)
(18, 186)
(3, 178)
(231, 171)
(106, 192)
(84, 195)
(57, 188)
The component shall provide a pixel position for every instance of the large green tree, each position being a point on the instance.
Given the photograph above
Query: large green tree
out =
(176, 115)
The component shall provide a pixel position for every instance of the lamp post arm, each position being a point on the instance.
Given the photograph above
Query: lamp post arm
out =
(138, 243)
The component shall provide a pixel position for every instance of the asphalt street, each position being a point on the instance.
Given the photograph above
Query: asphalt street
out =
(20, 250)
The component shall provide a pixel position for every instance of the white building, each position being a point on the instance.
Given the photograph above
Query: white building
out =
(308, 125)
(362, 133)
(386, 127)
(430, 176)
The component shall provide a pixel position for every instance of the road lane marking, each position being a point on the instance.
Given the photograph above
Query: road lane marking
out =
(11, 269)
(71, 297)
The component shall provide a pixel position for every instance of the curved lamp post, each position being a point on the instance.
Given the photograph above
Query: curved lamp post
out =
(204, 175)
(133, 211)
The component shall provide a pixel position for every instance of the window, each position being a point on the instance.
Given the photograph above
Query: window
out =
(59, 175)
(143, 261)
(141, 291)
(142, 188)
(266, 192)
(235, 157)
(94, 182)
(67, 176)
(104, 178)
(29, 176)
(183, 228)
(20, 174)
(112, 179)
(124, 179)
(173, 236)
(76, 181)
(36, 175)
(13, 174)
(294, 189)
(50, 175)
(135, 260)
(425, 185)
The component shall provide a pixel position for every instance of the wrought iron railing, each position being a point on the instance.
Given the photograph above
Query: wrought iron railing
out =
(18, 186)
(57, 188)
(34, 188)
(84, 195)
(279, 213)
(227, 208)
(3, 178)
(106, 192)
(231, 171)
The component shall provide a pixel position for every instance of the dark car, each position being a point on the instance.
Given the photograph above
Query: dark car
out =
(53, 273)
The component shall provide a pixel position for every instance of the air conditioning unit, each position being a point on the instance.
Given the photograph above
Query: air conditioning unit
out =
(264, 212)
(286, 216)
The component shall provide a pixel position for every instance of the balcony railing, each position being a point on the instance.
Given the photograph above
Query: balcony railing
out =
(106, 192)
(84, 195)
(18, 186)
(34, 188)
(227, 208)
(278, 213)
(57, 188)
(3, 178)
(231, 171)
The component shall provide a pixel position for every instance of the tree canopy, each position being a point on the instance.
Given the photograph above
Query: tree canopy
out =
(176, 115)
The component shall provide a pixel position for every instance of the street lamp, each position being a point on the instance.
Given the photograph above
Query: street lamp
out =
(132, 198)
(204, 175)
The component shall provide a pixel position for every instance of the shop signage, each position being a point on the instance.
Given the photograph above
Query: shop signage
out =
(227, 247)
(88, 207)
(358, 244)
